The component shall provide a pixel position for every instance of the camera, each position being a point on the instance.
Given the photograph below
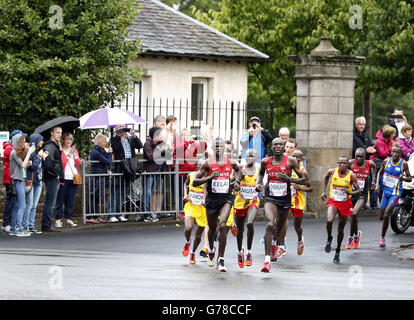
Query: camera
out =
(395, 116)
(123, 130)
(254, 126)
(32, 144)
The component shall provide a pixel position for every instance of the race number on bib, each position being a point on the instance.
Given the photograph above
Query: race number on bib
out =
(339, 195)
(220, 185)
(248, 192)
(278, 189)
(390, 181)
(361, 184)
(197, 197)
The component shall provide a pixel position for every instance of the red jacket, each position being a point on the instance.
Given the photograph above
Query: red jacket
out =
(65, 160)
(189, 150)
(8, 148)
(382, 146)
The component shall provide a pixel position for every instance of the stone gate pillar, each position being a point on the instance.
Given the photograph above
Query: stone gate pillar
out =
(325, 83)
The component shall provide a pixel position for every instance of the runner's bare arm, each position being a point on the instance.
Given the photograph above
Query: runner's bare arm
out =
(325, 183)
(292, 164)
(202, 175)
(379, 174)
(186, 185)
(308, 186)
(260, 176)
(355, 186)
(373, 173)
(406, 170)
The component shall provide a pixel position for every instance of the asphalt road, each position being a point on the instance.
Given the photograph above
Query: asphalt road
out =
(145, 263)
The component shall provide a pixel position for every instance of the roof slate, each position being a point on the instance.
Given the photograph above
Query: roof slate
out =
(166, 31)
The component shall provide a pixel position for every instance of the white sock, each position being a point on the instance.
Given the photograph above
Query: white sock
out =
(188, 242)
(249, 251)
(273, 242)
(267, 258)
(240, 252)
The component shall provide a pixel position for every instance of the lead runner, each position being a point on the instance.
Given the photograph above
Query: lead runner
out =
(277, 200)
(216, 172)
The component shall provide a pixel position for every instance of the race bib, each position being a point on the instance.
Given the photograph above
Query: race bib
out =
(278, 189)
(293, 191)
(361, 184)
(339, 195)
(390, 181)
(248, 192)
(220, 185)
(197, 197)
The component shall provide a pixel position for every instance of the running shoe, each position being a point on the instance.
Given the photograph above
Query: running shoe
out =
(356, 239)
(234, 230)
(204, 252)
(382, 243)
(240, 259)
(280, 252)
(301, 247)
(221, 267)
(274, 252)
(336, 258)
(328, 245)
(350, 244)
(266, 267)
(192, 258)
(249, 260)
(186, 249)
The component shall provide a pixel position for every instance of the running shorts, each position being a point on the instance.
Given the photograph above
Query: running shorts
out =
(345, 208)
(297, 213)
(197, 212)
(388, 199)
(243, 212)
(282, 205)
(214, 206)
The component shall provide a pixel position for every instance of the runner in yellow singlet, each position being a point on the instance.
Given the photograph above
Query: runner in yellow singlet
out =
(194, 212)
(246, 205)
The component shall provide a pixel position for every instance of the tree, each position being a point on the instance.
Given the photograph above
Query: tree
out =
(64, 57)
(282, 27)
(190, 6)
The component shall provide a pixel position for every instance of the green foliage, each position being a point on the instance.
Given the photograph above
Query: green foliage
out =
(47, 72)
(190, 6)
(282, 27)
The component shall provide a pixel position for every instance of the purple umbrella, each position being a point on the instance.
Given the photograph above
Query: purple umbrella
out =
(109, 118)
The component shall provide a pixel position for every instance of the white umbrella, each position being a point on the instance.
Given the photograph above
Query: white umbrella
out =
(108, 118)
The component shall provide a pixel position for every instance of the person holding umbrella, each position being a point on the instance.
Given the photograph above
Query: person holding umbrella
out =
(53, 176)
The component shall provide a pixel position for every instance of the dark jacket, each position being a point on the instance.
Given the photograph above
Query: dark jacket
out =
(35, 171)
(104, 158)
(52, 166)
(151, 150)
(361, 140)
(118, 150)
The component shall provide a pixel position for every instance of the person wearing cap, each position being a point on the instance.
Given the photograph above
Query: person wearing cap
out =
(10, 197)
(256, 138)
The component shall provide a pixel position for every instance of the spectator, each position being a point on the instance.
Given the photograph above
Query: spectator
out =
(290, 146)
(400, 121)
(35, 174)
(383, 146)
(391, 122)
(284, 134)
(256, 138)
(123, 147)
(53, 175)
(361, 138)
(18, 164)
(406, 143)
(151, 166)
(67, 192)
(97, 185)
(10, 197)
(160, 121)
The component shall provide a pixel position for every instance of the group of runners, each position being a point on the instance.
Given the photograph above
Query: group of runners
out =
(222, 193)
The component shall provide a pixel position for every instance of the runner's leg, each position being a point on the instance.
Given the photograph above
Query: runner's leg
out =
(270, 213)
(189, 223)
(222, 238)
(251, 216)
(240, 230)
(297, 222)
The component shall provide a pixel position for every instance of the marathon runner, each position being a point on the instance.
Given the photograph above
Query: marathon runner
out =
(389, 180)
(299, 201)
(363, 169)
(216, 172)
(342, 183)
(277, 200)
(194, 212)
(246, 205)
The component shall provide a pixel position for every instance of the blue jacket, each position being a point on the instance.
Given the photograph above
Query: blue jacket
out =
(35, 171)
(104, 158)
